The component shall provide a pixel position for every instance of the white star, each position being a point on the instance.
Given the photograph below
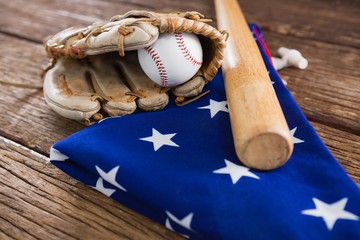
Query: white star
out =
(216, 107)
(295, 139)
(185, 222)
(160, 140)
(100, 187)
(168, 225)
(110, 176)
(56, 155)
(235, 171)
(330, 212)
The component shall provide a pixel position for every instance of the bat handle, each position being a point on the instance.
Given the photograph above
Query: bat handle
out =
(261, 136)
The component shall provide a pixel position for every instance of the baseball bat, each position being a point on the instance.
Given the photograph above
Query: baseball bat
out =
(261, 136)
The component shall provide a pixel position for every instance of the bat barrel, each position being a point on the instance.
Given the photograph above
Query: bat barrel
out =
(261, 136)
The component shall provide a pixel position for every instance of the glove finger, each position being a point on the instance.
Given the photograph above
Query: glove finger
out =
(150, 97)
(191, 88)
(68, 92)
(109, 85)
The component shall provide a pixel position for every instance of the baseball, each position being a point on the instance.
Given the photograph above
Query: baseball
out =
(173, 59)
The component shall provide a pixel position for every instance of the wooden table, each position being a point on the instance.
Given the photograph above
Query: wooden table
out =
(38, 201)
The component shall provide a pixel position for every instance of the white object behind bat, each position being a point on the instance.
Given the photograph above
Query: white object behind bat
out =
(289, 57)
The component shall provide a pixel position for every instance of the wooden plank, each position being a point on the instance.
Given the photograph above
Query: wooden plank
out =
(25, 117)
(327, 21)
(49, 17)
(344, 146)
(327, 91)
(333, 21)
(38, 201)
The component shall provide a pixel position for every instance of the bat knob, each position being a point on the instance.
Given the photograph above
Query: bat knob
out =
(266, 151)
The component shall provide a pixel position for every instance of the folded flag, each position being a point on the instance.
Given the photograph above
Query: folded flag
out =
(178, 167)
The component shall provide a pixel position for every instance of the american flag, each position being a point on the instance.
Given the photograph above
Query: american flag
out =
(178, 167)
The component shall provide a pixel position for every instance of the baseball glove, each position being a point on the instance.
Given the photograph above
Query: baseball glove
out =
(95, 70)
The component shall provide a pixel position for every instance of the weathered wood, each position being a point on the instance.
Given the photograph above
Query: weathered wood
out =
(38, 201)
(328, 90)
(326, 21)
(322, 20)
(25, 117)
(49, 17)
(348, 154)
(34, 20)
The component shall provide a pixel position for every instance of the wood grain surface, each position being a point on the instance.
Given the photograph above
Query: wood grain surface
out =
(38, 201)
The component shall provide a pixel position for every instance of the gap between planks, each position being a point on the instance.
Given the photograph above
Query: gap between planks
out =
(21, 37)
(25, 148)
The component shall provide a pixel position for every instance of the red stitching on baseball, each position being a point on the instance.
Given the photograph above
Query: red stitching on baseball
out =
(185, 51)
(159, 64)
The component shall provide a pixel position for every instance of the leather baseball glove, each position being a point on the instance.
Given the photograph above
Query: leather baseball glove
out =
(95, 70)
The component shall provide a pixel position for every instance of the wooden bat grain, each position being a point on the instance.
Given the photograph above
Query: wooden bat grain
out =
(261, 136)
